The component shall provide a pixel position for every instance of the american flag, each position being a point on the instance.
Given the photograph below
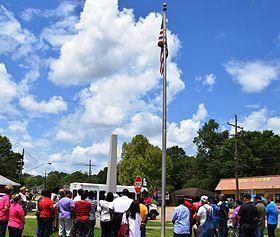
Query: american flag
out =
(161, 45)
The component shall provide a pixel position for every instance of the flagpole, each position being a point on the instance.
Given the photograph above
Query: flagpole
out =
(164, 119)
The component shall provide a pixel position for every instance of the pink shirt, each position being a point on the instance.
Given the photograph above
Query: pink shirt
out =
(16, 219)
(4, 213)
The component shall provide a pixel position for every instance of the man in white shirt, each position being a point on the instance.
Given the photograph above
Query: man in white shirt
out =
(204, 217)
(78, 197)
(119, 206)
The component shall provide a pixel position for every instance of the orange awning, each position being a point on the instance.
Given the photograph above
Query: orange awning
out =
(258, 182)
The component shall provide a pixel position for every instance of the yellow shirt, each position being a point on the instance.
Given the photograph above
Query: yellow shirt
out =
(143, 211)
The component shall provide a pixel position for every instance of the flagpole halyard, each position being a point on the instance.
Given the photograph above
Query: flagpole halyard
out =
(164, 119)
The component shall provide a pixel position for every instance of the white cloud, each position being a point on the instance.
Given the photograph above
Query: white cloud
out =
(96, 51)
(29, 13)
(71, 136)
(79, 156)
(261, 120)
(253, 76)
(18, 126)
(63, 29)
(8, 88)
(207, 80)
(60, 32)
(65, 8)
(55, 105)
(121, 67)
(182, 134)
(14, 39)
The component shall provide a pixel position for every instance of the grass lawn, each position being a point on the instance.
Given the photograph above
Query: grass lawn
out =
(30, 228)
(153, 229)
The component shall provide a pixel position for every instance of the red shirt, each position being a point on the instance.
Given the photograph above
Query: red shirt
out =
(82, 209)
(16, 219)
(45, 207)
(4, 213)
(192, 209)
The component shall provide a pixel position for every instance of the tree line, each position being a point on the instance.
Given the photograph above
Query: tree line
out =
(214, 159)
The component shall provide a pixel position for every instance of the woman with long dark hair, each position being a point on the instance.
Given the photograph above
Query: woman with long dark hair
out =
(133, 219)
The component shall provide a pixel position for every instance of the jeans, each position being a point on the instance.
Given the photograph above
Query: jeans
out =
(259, 233)
(15, 232)
(181, 235)
(271, 230)
(3, 228)
(223, 229)
(105, 228)
(91, 228)
(143, 230)
(83, 228)
(116, 224)
(45, 226)
(248, 230)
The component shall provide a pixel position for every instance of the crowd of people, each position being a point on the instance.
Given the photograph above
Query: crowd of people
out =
(212, 217)
(119, 216)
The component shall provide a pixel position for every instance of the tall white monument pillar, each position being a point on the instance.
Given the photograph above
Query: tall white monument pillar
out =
(112, 165)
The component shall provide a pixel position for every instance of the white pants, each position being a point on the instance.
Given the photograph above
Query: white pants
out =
(66, 225)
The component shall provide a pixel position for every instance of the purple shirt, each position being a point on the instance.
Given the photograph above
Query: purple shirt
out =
(234, 215)
(64, 206)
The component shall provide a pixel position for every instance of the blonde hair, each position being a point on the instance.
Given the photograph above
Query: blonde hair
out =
(8, 189)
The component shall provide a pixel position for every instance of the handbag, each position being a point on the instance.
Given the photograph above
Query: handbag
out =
(124, 229)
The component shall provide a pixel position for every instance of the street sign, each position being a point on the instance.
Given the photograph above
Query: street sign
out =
(138, 184)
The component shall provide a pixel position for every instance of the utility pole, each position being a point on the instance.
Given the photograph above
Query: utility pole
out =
(45, 179)
(21, 166)
(89, 169)
(236, 155)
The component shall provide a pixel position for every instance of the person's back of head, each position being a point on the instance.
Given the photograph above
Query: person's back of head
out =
(109, 197)
(204, 199)
(80, 191)
(61, 193)
(8, 189)
(247, 197)
(133, 209)
(16, 198)
(239, 202)
(22, 190)
(83, 196)
(91, 195)
(68, 194)
(269, 199)
(125, 192)
(46, 193)
(141, 200)
(180, 200)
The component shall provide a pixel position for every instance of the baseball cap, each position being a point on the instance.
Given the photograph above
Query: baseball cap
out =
(248, 196)
(258, 197)
(204, 198)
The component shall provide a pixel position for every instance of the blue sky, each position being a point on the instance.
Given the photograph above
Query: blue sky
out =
(72, 73)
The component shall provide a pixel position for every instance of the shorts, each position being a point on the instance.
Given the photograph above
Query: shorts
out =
(65, 225)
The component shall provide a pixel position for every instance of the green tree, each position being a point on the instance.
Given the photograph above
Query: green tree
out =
(210, 164)
(9, 160)
(141, 158)
(181, 169)
(31, 181)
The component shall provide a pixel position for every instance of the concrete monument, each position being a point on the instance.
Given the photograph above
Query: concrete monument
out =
(112, 165)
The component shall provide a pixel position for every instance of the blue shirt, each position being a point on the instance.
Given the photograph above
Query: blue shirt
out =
(181, 220)
(272, 213)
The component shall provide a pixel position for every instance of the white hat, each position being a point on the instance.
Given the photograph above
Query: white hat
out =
(204, 199)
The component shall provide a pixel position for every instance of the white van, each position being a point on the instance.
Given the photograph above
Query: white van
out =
(100, 189)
